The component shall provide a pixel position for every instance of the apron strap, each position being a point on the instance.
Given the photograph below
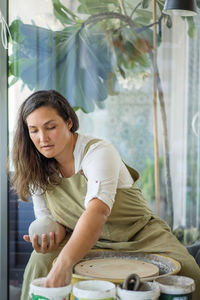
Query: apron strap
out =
(134, 174)
(93, 141)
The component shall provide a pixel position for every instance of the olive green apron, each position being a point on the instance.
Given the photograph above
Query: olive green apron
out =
(130, 226)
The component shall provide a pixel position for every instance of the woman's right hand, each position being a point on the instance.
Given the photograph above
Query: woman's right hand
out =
(55, 238)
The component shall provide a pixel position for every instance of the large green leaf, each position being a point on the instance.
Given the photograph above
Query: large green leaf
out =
(144, 13)
(191, 27)
(76, 61)
(168, 21)
(132, 49)
(142, 17)
(97, 6)
(145, 3)
(62, 13)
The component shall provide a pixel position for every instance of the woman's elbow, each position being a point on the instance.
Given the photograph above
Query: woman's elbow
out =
(100, 207)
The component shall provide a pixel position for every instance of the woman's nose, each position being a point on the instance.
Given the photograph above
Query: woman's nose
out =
(43, 136)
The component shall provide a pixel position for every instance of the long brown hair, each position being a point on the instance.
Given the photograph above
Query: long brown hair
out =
(32, 170)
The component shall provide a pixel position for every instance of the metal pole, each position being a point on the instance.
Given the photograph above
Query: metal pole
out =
(3, 162)
(155, 121)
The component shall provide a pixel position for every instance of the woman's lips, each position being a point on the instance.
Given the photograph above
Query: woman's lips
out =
(47, 147)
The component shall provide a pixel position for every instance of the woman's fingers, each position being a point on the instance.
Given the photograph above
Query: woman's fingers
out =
(47, 245)
(26, 238)
(58, 276)
(44, 245)
(35, 244)
(52, 241)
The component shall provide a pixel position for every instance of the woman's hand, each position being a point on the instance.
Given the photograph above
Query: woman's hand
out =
(55, 238)
(59, 275)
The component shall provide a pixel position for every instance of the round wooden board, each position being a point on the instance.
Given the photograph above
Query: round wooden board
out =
(115, 268)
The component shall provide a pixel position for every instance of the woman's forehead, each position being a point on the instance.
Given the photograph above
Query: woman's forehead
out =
(42, 116)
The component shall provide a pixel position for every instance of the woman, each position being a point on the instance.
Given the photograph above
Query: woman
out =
(83, 184)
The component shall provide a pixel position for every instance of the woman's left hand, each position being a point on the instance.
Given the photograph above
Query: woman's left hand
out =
(55, 238)
(59, 275)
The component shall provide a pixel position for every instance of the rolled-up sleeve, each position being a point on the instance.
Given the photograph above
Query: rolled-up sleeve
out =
(40, 206)
(101, 166)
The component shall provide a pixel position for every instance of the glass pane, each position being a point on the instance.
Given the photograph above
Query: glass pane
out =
(21, 213)
(3, 163)
(178, 63)
(104, 69)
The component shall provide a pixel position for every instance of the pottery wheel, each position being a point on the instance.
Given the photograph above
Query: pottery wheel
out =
(115, 268)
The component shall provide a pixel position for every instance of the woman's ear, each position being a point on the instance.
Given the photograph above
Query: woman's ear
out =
(69, 123)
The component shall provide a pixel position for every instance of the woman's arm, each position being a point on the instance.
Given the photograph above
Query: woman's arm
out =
(39, 205)
(86, 233)
(55, 238)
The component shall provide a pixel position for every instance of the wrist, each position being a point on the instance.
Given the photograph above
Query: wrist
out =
(64, 262)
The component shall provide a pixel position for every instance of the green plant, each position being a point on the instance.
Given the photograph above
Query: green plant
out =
(186, 236)
(114, 36)
(101, 41)
(147, 179)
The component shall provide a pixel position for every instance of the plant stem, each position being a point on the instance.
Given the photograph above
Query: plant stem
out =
(123, 8)
(155, 119)
(168, 182)
(109, 15)
(131, 15)
(166, 159)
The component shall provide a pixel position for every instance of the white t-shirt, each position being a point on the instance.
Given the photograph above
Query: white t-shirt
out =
(103, 168)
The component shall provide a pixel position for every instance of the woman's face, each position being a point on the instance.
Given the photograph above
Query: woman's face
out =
(49, 133)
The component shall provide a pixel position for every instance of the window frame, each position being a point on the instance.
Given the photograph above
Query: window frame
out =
(4, 294)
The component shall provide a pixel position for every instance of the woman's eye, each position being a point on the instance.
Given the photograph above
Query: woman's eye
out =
(50, 128)
(32, 131)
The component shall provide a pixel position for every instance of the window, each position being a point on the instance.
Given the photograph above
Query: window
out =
(179, 61)
(47, 54)
(3, 175)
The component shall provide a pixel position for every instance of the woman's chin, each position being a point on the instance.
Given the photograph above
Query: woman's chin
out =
(48, 155)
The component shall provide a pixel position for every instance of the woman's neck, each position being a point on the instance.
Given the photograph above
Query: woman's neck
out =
(68, 171)
(66, 163)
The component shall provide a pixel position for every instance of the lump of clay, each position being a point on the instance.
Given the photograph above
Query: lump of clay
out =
(41, 226)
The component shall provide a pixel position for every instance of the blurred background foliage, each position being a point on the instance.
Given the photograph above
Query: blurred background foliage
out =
(99, 42)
